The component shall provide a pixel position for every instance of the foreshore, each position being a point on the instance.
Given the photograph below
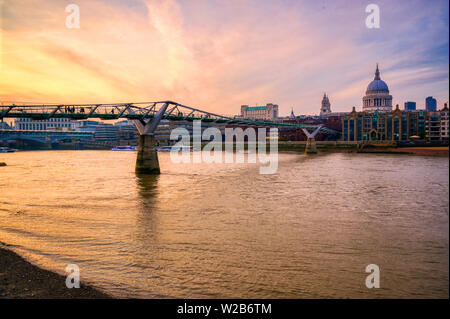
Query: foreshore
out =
(387, 147)
(428, 151)
(20, 279)
(339, 147)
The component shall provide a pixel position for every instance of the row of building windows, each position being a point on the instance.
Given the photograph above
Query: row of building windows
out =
(52, 120)
(377, 102)
(39, 126)
(267, 112)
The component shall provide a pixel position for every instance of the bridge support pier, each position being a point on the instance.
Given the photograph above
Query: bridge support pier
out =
(311, 147)
(147, 155)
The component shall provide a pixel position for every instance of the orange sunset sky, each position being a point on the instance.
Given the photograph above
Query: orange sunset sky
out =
(217, 55)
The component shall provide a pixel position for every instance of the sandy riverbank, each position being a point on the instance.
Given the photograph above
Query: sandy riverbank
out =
(428, 151)
(434, 151)
(20, 279)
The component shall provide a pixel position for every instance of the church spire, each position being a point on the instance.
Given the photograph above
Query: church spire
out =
(377, 73)
(292, 114)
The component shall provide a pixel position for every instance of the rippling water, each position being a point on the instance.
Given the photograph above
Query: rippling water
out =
(224, 230)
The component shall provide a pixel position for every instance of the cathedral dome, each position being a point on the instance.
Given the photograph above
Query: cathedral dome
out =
(377, 85)
(377, 96)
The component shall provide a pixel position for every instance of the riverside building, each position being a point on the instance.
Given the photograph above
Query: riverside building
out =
(378, 122)
(397, 125)
(436, 124)
(27, 124)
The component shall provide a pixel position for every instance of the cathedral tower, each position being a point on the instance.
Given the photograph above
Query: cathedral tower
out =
(326, 106)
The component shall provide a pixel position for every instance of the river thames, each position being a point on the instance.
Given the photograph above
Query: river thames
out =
(225, 231)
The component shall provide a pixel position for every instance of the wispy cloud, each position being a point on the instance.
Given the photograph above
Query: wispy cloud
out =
(221, 54)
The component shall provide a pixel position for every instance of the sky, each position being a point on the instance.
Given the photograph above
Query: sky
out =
(220, 54)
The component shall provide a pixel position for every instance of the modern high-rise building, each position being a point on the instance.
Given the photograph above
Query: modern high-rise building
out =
(410, 106)
(430, 104)
(377, 96)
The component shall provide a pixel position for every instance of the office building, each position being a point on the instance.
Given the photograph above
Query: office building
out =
(430, 104)
(410, 106)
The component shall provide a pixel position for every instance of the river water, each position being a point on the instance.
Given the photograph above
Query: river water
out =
(224, 230)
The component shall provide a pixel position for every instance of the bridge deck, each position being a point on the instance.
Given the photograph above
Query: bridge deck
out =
(135, 111)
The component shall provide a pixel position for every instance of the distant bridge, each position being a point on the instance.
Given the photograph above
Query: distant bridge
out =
(42, 136)
(146, 116)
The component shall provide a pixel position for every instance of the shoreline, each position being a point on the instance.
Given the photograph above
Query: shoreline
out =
(336, 147)
(20, 279)
(426, 151)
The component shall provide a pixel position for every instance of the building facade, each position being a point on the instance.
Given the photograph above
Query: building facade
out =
(122, 132)
(444, 122)
(27, 124)
(410, 106)
(266, 112)
(127, 133)
(87, 126)
(430, 104)
(397, 125)
(436, 124)
(377, 96)
(106, 132)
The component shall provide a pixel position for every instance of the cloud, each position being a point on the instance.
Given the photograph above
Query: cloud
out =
(218, 55)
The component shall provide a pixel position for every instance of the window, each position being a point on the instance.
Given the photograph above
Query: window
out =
(358, 130)
(351, 129)
(389, 128)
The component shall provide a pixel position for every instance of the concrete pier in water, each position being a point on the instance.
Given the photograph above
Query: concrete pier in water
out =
(311, 147)
(147, 156)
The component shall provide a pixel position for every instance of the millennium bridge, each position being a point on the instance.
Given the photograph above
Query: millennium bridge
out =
(146, 116)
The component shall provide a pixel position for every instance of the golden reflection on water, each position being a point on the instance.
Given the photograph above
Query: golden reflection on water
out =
(224, 230)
